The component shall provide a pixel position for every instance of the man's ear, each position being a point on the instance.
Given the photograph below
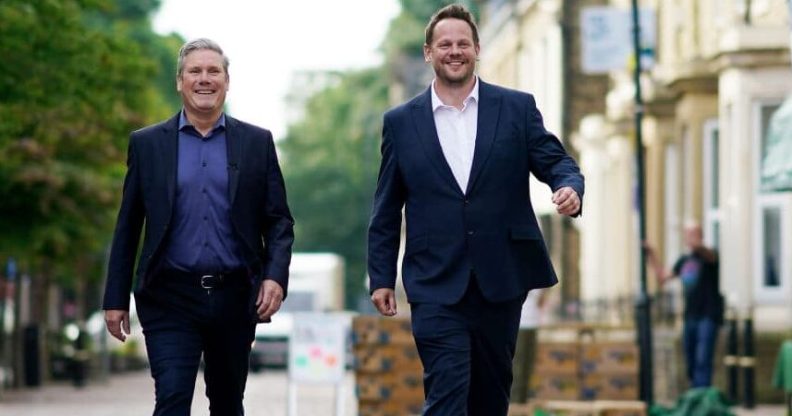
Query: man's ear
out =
(427, 50)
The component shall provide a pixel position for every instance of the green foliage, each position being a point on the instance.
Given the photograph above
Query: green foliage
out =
(330, 160)
(76, 78)
(406, 32)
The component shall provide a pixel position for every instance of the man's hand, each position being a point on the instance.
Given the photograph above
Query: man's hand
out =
(117, 322)
(270, 298)
(384, 300)
(567, 201)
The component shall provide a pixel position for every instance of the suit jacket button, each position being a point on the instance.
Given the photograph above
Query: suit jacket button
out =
(470, 232)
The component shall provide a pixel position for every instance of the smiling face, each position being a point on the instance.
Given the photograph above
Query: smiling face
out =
(203, 83)
(452, 52)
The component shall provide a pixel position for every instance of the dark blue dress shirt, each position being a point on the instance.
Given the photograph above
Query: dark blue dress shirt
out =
(202, 237)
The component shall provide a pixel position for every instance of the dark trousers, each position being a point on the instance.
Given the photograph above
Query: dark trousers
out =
(699, 342)
(466, 350)
(180, 322)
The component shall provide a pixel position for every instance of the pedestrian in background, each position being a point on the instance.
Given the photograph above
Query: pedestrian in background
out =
(703, 302)
(525, 352)
(457, 158)
(218, 239)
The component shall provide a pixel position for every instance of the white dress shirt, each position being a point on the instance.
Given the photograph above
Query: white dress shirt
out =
(456, 130)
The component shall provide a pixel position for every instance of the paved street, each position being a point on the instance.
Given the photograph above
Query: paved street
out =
(132, 395)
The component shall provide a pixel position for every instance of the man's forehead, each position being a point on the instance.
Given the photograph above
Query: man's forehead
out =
(201, 56)
(452, 28)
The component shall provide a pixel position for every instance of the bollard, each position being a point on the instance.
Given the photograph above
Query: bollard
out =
(731, 358)
(748, 364)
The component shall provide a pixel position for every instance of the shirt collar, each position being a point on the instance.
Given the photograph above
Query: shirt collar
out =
(437, 102)
(184, 122)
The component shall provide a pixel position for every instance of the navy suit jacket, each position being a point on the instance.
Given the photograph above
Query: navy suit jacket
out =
(260, 215)
(488, 230)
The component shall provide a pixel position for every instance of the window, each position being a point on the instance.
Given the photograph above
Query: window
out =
(771, 222)
(711, 184)
(771, 244)
(673, 217)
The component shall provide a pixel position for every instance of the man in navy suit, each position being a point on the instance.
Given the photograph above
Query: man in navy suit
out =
(457, 158)
(218, 238)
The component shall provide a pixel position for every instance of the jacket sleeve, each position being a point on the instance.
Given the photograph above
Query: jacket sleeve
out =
(126, 237)
(549, 161)
(278, 232)
(386, 217)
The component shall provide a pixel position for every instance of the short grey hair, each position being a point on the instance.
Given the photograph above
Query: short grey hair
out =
(196, 45)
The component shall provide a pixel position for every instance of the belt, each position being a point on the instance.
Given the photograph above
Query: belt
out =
(206, 281)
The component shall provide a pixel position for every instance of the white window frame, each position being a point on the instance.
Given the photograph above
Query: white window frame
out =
(673, 211)
(762, 293)
(712, 215)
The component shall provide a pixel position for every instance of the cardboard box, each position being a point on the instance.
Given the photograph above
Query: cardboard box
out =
(390, 386)
(390, 407)
(384, 358)
(610, 357)
(557, 358)
(555, 386)
(382, 331)
(609, 387)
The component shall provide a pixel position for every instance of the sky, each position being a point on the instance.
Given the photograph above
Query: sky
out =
(267, 40)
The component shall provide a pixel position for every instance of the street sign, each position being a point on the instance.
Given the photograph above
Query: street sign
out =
(607, 38)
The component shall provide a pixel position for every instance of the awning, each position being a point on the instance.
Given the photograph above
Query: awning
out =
(776, 175)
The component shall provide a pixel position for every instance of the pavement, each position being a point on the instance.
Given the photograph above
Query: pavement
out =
(132, 394)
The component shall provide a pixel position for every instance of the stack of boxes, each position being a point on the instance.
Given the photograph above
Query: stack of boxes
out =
(586, 369)
(609, 371)
(388, 371)
(556, 371)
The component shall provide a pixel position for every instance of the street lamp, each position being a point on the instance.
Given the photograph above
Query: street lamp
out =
(643, 314)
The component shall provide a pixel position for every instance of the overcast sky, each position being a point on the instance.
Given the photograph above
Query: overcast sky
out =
(267, 40)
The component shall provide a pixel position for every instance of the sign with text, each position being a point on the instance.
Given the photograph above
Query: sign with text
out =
(316, 348)
(607, 38)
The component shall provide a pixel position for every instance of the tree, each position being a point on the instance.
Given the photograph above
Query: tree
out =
(74, 81)
(330, 161)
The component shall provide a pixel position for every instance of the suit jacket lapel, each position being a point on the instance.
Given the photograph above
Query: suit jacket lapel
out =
(169, 149)
(235, 140)
(430, 142)
(488, 114)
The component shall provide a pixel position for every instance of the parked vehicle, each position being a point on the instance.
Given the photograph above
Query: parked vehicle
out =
(316, 284)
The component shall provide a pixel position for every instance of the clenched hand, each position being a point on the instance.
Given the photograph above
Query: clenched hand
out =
(384, 300)
(117, 322)
(567, 201)
(270, 298)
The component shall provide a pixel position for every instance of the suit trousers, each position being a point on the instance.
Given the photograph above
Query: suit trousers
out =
(466, 350)
(181, 320)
